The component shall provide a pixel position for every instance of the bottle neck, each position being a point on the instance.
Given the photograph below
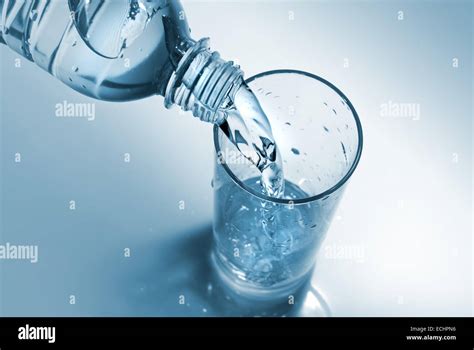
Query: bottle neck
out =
(203, 83)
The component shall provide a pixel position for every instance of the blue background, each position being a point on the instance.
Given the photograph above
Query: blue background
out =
(401, 241)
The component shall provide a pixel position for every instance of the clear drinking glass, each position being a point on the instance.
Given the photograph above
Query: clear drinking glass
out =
(319, 136)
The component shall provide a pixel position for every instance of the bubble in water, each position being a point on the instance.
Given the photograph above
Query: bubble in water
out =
(243, 219)
(283, 242)
(272, 180)
(249, 250)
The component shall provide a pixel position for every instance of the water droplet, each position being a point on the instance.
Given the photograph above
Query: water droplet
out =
(288, 123)
(295, 151)
(75, 68)
(74, 43)
(84, 87)
(344, 151)
(334, 111)
(70, 79)
(268, 93)
(212, 183)
(314, 226)
(33, 15)
(326, 129)
(325, 103)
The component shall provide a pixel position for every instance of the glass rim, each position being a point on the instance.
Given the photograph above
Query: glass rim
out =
(326, 192)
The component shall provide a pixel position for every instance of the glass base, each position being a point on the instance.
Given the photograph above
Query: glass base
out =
(283, 292)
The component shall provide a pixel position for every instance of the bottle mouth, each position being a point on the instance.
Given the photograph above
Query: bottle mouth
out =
(202, 83)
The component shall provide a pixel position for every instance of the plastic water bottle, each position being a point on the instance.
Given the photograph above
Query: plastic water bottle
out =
(120, 50)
